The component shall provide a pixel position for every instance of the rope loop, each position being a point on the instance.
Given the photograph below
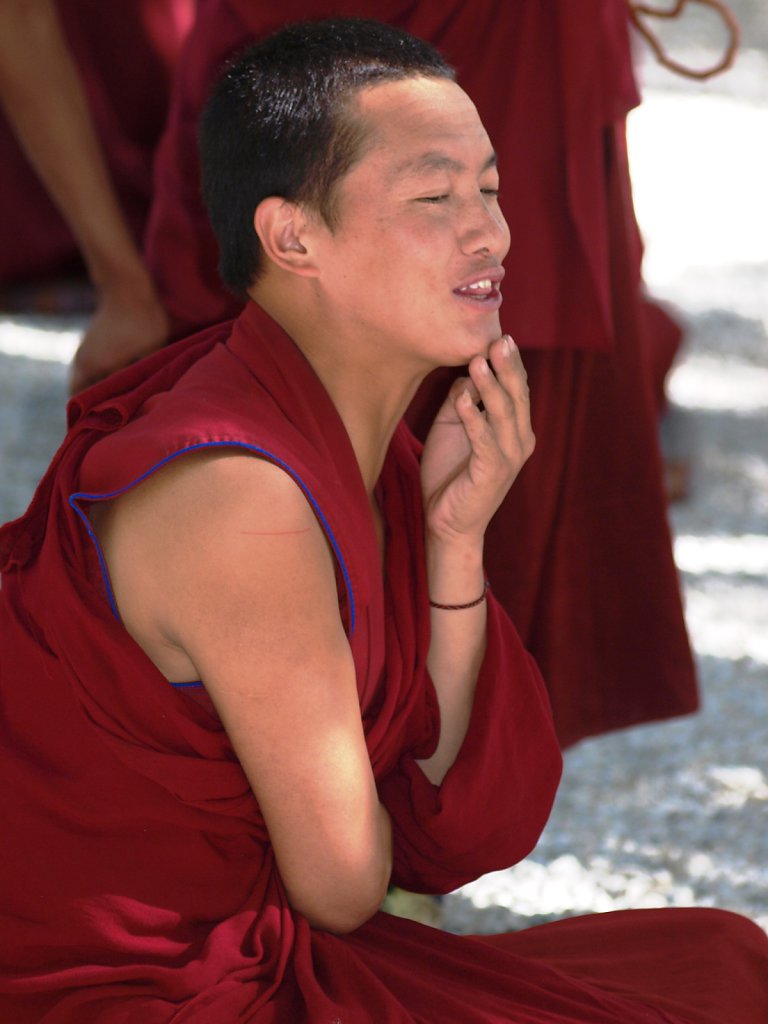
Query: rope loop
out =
(639, 11)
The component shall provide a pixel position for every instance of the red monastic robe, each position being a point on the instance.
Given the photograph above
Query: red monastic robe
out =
(138, 882)
(580, 555)
(125, 54)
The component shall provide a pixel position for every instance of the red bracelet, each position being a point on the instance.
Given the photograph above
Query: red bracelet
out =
(461, 607)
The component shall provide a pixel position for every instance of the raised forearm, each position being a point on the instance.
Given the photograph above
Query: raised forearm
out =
(469, 461)
(457, 648)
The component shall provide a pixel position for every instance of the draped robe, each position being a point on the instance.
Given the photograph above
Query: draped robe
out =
(137, 878)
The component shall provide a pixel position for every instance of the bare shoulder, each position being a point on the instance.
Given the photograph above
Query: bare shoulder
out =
(209, 484)
(220, 496)
(207, 547)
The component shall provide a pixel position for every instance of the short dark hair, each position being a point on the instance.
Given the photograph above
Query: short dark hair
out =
(278, 124)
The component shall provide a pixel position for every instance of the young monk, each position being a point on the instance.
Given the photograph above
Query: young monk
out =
(552, 83)
(251, 671)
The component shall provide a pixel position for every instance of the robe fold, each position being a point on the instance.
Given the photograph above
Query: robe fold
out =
(580, 554)
(138, 881)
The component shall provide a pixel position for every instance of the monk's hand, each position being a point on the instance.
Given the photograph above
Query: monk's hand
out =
(472, 454)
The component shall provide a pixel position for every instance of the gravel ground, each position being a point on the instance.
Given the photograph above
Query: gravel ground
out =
(673, 814)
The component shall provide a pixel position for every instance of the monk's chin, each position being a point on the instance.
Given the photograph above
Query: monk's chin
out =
(484, 340)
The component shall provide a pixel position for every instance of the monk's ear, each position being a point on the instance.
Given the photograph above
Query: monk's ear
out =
(283, 230)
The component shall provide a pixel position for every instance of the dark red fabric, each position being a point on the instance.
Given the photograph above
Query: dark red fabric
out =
(125, 54)
(137, 878)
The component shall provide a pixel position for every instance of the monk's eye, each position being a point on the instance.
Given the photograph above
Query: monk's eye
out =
(494, 192)
(432, 199)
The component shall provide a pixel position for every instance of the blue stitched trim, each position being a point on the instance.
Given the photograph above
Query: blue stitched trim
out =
(186, 686)
(81, 496)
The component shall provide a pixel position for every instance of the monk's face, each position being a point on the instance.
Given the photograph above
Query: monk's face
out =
(413, 263)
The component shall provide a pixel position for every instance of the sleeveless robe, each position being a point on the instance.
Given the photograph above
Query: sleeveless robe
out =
(137, 879)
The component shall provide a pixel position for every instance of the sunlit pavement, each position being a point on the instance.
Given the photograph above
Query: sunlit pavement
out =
(674, 814)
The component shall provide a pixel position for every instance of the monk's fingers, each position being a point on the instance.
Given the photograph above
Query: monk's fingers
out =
(447, 414)
(508, 365)
(495, 459)
(462, 384)
(502, 385)
(510, 372)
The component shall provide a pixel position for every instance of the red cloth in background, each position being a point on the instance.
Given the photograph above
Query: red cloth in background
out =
(137, 880)
(580, 554)
(125, 54)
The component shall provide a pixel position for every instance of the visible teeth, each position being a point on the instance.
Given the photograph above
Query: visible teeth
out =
(481, 284)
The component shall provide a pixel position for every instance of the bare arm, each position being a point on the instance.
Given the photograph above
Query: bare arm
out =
(469, 462)
(223, 560)
(44, 101)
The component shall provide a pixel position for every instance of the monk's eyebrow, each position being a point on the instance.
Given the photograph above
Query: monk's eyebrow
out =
(437, 161)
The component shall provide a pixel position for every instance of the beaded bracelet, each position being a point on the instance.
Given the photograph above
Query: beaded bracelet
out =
(461, 607)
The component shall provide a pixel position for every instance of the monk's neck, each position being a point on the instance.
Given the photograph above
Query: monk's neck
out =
(370, 394)
(369, 409)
